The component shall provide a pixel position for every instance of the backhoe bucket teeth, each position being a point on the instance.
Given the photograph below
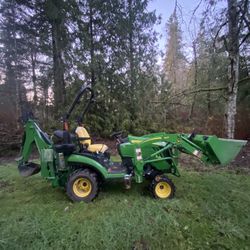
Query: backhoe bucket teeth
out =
(28, 169)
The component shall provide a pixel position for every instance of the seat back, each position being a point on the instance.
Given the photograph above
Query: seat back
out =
(83, 133)
(63, 142)
(63, 137)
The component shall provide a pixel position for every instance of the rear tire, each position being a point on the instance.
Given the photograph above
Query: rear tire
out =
(82, 185)
(162, 187)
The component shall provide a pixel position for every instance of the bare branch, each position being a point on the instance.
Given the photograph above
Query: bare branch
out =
(194, 11)
(244, 39)
(247, 22)
(197, 7)
(170, 103)
(244, 80)
(218, 31)
(243, 15)
(189, 92)
(204, 90)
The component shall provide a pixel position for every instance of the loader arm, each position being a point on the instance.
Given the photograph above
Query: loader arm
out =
(161, 151)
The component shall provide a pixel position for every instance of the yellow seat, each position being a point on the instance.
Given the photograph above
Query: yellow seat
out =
(94, 148)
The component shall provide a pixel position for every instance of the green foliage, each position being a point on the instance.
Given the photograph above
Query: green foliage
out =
(117, 56)
(210, 210)
(110, 45)
(211, 73)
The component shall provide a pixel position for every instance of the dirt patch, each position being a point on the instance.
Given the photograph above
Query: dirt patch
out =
(7, 159)
(4, 184)
(140, 244)
(110, 143)
(243, 158)
(241, 164)
(14, 154)
(10, 139)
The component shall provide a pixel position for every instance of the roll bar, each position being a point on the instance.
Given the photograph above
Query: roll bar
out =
(66, 116)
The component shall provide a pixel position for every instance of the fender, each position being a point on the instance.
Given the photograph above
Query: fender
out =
(81, 159)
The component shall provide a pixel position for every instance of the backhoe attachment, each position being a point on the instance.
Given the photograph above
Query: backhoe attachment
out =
(33, 135)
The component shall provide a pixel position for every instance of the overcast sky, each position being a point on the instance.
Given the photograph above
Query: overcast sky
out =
(165, 9)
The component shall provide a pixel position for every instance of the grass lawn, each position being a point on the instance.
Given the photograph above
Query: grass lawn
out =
(210, 211)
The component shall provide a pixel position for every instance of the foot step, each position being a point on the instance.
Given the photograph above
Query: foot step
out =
(117, 168)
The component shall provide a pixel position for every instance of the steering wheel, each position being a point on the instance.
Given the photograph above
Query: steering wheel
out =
(117, 135)
(192, 135)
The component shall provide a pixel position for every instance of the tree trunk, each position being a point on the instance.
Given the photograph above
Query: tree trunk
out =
(92, 49)
(45, 106)
(33, 65)
(131, 47)
(195, 79)
(58, 66)
(131, 61)
(16, 81)
(233, 70)
(210, 73)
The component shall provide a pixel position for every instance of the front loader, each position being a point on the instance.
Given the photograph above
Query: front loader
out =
(72, 161)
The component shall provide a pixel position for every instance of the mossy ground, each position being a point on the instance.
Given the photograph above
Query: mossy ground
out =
(211, 210)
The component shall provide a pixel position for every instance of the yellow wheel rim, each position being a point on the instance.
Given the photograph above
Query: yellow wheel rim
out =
(163, 189)
(82, 187)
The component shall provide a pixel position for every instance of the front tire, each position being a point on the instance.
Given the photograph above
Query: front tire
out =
(162, 187)
(82, 185)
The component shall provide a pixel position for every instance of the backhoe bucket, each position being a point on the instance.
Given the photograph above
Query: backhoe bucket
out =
(28, 169)
(220, 151)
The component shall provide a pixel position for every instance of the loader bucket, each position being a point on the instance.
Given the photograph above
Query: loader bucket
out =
(226, 149)
(220, 151)
(28, 169)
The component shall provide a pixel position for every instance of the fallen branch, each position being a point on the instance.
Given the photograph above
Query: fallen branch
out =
(204, 90)
(246, 79)
(188, 92)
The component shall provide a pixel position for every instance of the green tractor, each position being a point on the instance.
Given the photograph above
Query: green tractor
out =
(72, 161)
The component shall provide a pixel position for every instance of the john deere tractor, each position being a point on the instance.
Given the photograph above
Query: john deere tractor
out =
(72, 161)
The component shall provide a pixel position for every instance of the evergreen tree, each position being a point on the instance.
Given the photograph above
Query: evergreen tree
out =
(175, 62)
(110, 45)
(13, 51)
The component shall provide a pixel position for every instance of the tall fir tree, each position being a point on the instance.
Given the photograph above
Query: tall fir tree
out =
(175, 62)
